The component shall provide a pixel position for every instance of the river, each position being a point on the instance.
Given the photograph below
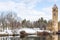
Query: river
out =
(53, 37)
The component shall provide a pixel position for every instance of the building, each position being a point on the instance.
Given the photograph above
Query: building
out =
(55, 18)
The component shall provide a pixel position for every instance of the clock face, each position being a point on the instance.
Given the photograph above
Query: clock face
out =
(53, 9)
(54, 14)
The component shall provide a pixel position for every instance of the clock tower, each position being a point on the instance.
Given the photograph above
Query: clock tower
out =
(55, 18)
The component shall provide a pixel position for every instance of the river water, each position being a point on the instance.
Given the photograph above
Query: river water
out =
(53, 37)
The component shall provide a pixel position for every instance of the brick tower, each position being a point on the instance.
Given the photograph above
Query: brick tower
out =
(55, 18)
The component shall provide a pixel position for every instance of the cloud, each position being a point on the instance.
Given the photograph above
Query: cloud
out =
(7, 6)
(25, 9)
(52, 0)
(32, 15)
(59, 14)
(48, 11)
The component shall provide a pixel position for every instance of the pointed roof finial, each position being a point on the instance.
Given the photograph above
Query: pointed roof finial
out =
(55, 6)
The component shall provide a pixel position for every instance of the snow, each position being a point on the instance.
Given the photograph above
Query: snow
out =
(48, 31)
(8, 31)
(38, 30)
(28, 30)
(32, 36)
(3, 33)
(33, 30)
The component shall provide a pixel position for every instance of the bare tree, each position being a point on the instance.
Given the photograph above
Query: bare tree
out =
(8, 20)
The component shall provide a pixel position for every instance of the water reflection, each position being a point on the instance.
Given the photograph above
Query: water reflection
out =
(53, 37)
(10, 38)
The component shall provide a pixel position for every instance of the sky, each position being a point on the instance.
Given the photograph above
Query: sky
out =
(31, 9)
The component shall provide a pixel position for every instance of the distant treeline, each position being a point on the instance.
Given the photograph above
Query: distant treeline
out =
(12, 21)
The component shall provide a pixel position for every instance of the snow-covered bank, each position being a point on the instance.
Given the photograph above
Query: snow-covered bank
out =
(27, 30)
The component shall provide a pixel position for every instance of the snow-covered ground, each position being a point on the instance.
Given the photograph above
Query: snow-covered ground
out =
(27, 30)
(3, 33)
(8, 31)
(32, 30)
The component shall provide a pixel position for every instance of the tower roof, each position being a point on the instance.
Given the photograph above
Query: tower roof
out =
(55, 6)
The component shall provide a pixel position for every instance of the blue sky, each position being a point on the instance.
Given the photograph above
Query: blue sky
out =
(30, 9)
